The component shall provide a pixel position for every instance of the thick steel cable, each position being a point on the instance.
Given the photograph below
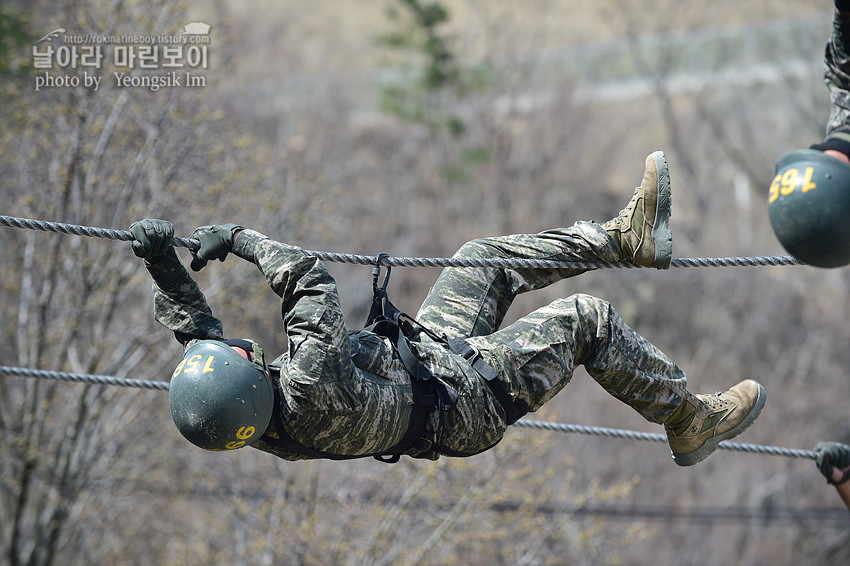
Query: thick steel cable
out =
(84, 378)
(539, 425)
(515, 263)
(652, 437)
(192, 244)
(61, 228)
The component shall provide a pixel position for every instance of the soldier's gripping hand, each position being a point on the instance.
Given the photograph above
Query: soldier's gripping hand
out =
(216, 243)
(152, 238)
(833, 455)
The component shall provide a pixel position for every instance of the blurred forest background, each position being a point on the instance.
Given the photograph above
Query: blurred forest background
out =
(411, 126)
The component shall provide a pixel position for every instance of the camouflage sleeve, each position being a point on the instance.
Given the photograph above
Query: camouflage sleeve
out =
(837, 75)
(318, 372)
(179, 304)
(292, 274)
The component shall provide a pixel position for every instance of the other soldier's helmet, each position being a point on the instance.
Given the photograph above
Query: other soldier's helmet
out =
(219, 400)
(809, 207)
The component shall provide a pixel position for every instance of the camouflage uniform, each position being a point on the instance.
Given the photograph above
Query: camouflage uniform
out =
(837, 75)
(348, 392)
(837, 78)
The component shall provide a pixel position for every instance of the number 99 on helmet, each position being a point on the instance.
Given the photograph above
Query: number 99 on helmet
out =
(809, 207)
(219, 400)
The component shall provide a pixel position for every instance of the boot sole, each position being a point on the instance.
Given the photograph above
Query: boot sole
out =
(661, 234)
(710, 445)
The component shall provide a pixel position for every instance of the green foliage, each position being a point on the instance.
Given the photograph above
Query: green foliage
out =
(14, 35)
(421, 33)
(420, 41)
(438, 83)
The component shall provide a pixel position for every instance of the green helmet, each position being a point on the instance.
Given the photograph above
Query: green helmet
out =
(809, 207)
(219, 400)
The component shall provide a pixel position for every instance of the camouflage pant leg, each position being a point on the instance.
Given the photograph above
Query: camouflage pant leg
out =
(837, 75)
(536, 357)
(473, 301)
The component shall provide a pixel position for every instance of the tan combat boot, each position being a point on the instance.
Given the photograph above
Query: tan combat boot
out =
(701, 422)
(642, 229)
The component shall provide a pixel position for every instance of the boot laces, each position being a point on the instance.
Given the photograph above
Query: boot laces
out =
(623, 216)
(712, 401)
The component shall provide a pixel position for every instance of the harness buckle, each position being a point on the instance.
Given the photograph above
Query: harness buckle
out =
(514, 409)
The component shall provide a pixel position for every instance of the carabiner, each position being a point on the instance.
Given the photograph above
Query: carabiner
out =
(376, 271)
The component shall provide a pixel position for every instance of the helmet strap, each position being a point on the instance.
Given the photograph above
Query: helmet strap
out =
(249, 346)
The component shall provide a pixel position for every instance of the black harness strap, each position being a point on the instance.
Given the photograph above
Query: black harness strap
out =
(428, 393)
(423, 403)
(514, 409)
(382, 309)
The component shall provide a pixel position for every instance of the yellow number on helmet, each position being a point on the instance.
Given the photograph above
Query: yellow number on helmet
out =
(192, 363)
(774, 189)
(789, 181)
(245, 432)
(807, 180)
(178, 369)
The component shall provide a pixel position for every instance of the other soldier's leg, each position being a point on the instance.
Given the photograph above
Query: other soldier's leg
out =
(837, 76)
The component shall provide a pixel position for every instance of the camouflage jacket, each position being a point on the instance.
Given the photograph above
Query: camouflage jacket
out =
(341, 392)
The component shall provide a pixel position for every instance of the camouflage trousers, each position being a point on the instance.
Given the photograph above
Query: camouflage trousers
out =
(837, 75)
(536, 355)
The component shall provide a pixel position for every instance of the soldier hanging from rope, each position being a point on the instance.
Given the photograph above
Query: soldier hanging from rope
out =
(833, 461)
(809, 198)
(449, 381)
(833, 458)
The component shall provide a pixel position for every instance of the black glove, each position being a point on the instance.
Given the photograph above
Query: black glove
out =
(833, 455)
(216, 243)
(839, 140)
(152, 238)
